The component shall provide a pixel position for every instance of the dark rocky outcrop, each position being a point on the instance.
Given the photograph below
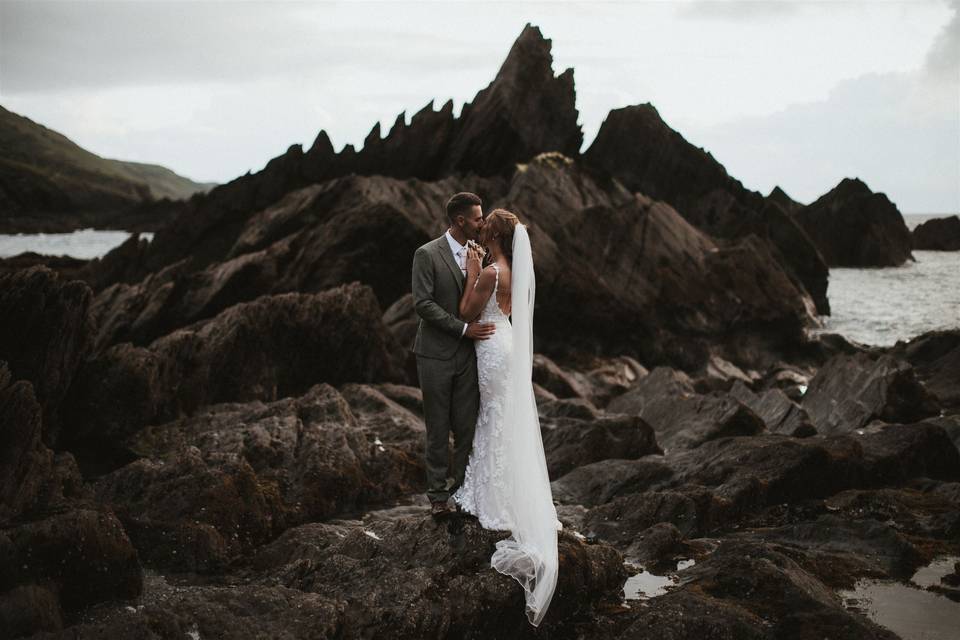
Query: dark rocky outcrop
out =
(523, 112)
(602, 481)
(82, 556)
(68, 267)
(354, 579)
(608, 258)
(637, 147)
(33, 479)
(779, 413)
(572, 441)
(938, 234)
(727, 480)
(682, 283)
(854, 227)
(850, 391)
(767, 582)
(266, 349)
(682, 418)
(935, 357)
(321, 236)
(273, 465)
(45, 333)
(58, 553)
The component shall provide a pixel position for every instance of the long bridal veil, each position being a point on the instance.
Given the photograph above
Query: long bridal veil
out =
(530, 554)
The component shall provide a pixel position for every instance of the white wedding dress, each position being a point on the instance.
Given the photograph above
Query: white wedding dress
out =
(506, 484)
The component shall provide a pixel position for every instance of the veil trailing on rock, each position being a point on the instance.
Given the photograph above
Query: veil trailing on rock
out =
(530, 554)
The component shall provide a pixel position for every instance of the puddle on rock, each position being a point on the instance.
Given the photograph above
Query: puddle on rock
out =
(908, 609)
(645, 585)
(930, 575)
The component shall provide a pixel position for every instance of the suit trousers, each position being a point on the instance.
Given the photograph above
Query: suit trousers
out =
(451, 401)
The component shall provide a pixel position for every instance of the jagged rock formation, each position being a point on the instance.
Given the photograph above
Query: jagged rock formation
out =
(637, 147)
(854, 227)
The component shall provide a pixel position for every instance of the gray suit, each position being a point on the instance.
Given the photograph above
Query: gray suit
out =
(446, 365)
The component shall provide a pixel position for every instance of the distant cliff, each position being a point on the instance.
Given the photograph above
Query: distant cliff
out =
(49, 183)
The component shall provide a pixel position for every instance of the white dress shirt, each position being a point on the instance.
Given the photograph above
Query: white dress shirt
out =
(460, 255)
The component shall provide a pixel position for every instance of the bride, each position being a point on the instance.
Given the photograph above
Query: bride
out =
(506, 483)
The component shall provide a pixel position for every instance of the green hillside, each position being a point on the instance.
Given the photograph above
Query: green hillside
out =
(47, 182)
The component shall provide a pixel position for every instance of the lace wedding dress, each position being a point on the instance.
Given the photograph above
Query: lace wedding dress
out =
(506, 484)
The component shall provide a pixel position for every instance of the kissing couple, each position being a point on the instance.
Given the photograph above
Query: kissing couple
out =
(474, 350)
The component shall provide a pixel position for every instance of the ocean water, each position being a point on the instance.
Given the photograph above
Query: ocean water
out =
(880, 306)
(83, 243)
(871, 306)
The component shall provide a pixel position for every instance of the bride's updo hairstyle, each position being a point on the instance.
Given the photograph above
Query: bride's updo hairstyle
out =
(501, 224)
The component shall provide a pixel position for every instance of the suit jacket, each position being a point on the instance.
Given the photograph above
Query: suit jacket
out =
(437, 285)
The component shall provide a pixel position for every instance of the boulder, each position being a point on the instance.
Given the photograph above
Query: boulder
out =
(187, 512)
(599, 482)
(854, 227)
(907, 510)
(938, 234)
(765, 580)
(850, 391)
(558, 381)
(860, 545)
(68, 267)
(682, 418)
(779, 413)
(573, 442)
(935, 357)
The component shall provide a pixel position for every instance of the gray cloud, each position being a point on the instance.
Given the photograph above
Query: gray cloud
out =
(55, 46)
(899, 132)
(943, 58)
(737, 9)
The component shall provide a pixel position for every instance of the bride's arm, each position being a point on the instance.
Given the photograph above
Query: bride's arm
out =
(477, 288)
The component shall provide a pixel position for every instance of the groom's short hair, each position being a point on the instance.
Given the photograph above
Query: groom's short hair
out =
(461, 203)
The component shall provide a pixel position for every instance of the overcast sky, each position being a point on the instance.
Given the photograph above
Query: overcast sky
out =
(799, 94)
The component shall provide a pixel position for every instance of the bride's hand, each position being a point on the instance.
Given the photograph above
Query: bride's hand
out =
(474, 265)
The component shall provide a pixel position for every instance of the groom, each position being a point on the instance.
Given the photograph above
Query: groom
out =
(446, 360)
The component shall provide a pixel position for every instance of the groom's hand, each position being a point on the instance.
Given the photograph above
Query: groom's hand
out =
(480, 330)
